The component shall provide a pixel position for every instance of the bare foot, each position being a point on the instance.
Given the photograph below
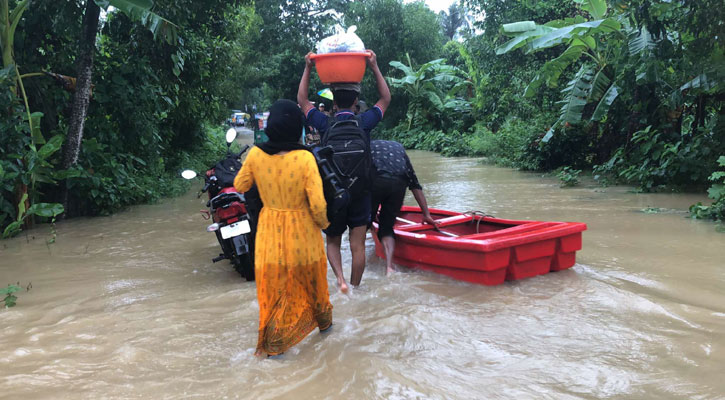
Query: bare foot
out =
(389, 271)
(343, 286)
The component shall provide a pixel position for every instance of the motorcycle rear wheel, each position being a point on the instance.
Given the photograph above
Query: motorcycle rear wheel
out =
(245, 267)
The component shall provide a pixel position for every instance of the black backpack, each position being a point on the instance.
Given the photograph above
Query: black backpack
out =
(333, 187)
(352, 154)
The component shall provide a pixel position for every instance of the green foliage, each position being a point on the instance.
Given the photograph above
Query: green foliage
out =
(112, 181)
(453, 20)
(568, 176)
(433, 93)
(140, 10)
(10, 299)
(23, 165)
(512, 145)
(154, 95)
(450, 143)
(499, 81)
(593, 82)
(655, 159)
(394, 30)
(716, 192)
(517, 143)
(9, 20)
(629, 65)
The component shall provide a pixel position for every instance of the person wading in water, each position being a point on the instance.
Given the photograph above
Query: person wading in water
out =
(290, 263)
(345, 123)
(393, 173)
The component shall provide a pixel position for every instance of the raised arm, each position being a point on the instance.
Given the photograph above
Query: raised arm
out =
(304, 88)
(382, 86)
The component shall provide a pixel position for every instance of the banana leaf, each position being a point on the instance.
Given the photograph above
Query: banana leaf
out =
(605, 103)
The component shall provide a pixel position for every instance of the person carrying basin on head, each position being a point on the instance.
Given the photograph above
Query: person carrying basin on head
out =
(290, 263)
(393, 173)
(356, 162)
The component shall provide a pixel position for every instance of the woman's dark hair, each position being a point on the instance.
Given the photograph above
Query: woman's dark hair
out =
(344, 98)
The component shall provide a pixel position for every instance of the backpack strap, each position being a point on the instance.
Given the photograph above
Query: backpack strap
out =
(347, 121)
(332, 121)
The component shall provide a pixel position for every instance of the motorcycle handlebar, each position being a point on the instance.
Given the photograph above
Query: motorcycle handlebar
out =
(244, 149)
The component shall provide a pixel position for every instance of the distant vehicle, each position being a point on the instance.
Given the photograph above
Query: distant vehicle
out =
(238, 119)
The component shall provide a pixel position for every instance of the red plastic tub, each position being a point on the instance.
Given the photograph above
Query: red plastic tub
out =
(340, 67)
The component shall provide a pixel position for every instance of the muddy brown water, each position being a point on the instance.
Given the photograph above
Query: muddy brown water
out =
(130, 306)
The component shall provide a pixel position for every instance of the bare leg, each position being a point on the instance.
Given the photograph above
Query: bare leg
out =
(335, 259)
(389, 245)
(357, 247)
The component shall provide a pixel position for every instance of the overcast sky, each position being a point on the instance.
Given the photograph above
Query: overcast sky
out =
(437, 5)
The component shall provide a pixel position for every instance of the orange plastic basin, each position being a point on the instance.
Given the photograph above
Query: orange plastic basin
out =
(340, 67)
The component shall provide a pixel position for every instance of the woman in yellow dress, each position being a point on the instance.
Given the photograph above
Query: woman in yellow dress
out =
(290, 263)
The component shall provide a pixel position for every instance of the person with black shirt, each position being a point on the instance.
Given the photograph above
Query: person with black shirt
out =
(394, 173)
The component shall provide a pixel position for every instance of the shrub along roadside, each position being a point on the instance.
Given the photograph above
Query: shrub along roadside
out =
(106, 182)
(649, 162)
(716, 192)
(516, 144)
(109, 182)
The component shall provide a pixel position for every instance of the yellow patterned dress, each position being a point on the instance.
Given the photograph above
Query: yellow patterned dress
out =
(290, 263)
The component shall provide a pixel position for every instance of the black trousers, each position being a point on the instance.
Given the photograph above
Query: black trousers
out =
(387, 194)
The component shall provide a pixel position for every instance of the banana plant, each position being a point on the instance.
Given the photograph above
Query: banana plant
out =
(35, 166)
(426, 85)
(8, 23)
(595, 82)
(140, 10)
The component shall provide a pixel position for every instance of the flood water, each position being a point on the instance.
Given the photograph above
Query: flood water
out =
(131, 306)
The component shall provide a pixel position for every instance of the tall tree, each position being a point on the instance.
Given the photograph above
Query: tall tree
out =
(289, 29)
(81, 97)
(396, 31)
(452, 20)
(139, 9)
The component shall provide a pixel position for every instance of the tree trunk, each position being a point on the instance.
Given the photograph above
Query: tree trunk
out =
(81, 97)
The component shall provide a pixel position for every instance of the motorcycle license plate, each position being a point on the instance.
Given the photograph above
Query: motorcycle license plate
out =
(235, 229)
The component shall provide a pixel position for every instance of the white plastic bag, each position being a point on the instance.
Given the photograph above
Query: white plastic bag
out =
(341, 42)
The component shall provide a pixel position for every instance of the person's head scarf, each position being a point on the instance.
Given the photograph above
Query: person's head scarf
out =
(284, 128)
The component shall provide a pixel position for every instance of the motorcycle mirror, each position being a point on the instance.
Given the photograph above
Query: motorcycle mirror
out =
(188, 174)
(231, 135)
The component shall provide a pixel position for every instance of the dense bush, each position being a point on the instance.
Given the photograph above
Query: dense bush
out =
(450, 143)
(108, 182)
(150, 109)
(655, 159)
(716, 192)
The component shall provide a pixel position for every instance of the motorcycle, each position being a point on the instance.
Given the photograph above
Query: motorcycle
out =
(233, 223)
